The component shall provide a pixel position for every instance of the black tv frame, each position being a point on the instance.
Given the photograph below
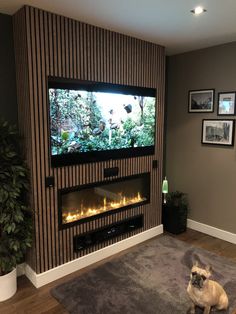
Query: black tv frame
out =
(96, 156)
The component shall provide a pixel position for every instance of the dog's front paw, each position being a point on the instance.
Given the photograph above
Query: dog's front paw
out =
(207, 310)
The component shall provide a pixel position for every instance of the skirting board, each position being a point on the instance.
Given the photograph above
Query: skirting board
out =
(215, 232)
(20, 269)
(39, 280)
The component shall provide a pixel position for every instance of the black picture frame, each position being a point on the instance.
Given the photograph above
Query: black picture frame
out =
(218, 132)
(201, 100)
(226, 103)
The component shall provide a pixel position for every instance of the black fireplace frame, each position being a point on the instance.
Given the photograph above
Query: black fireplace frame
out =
(99, 183)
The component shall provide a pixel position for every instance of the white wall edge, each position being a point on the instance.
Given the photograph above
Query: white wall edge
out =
(39, 280)
(215, 232)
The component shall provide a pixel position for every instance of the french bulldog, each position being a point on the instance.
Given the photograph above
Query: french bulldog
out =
(205, 293)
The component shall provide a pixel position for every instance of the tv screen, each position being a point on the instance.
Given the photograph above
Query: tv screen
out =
(91, 121)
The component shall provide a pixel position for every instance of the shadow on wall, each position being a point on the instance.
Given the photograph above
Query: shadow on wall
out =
(8, 102)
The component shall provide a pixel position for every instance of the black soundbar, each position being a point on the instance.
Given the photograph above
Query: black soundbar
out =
(86, 240)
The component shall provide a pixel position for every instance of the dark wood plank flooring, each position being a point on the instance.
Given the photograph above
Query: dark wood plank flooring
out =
(30, 300)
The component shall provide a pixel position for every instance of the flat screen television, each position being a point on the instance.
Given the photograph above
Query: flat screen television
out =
(93, 121)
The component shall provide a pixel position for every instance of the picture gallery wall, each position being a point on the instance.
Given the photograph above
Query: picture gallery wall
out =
(214, 131)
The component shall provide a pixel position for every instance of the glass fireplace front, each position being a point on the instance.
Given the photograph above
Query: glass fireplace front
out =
(102, 198)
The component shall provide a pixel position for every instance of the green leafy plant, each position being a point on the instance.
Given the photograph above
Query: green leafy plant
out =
(177, 199)
(15, 216)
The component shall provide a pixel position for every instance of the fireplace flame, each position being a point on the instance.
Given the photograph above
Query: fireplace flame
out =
(70, 215)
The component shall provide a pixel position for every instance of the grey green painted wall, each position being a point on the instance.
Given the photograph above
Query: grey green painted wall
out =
(206, 173)
(8, 104)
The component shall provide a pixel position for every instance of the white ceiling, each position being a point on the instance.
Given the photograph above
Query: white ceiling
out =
(165, 22)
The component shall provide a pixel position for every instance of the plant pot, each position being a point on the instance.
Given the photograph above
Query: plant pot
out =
(174, 219)
(8, 285)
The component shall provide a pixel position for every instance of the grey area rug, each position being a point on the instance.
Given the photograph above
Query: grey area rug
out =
(151, 278)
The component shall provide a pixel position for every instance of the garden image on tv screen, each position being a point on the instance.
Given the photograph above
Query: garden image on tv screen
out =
(86, 121)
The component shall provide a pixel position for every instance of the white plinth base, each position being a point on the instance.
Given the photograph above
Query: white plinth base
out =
(42, 279)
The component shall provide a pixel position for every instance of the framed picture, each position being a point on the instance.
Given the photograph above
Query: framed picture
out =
(226, 103)
(218, 132)
(201, 100)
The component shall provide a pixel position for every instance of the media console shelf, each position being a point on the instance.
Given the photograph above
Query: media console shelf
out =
(88, 239)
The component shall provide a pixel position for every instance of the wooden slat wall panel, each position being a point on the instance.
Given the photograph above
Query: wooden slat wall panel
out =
(52, 45)
(24, 116)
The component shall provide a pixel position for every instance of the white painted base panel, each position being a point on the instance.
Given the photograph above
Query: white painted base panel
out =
(42, 279)
(215, 232)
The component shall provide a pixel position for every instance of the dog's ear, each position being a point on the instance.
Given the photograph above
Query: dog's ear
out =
(195, 263)
(209, 269)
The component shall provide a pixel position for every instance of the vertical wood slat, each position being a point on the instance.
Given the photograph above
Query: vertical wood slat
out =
(49, 194)
(44, 148)
(58, 46)
(35, 139)
(41, 139)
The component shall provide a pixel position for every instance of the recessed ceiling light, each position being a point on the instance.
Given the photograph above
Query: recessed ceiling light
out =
(198, 10)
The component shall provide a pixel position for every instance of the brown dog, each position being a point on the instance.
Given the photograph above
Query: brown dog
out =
(204, 292)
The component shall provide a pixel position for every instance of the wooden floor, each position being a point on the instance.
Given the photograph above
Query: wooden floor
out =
(30, 300)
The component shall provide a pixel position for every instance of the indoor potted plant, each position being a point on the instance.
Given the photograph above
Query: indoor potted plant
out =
(15, 216)
(175, 211)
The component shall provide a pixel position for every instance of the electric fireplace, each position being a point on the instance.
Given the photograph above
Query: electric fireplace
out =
(84, 202)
